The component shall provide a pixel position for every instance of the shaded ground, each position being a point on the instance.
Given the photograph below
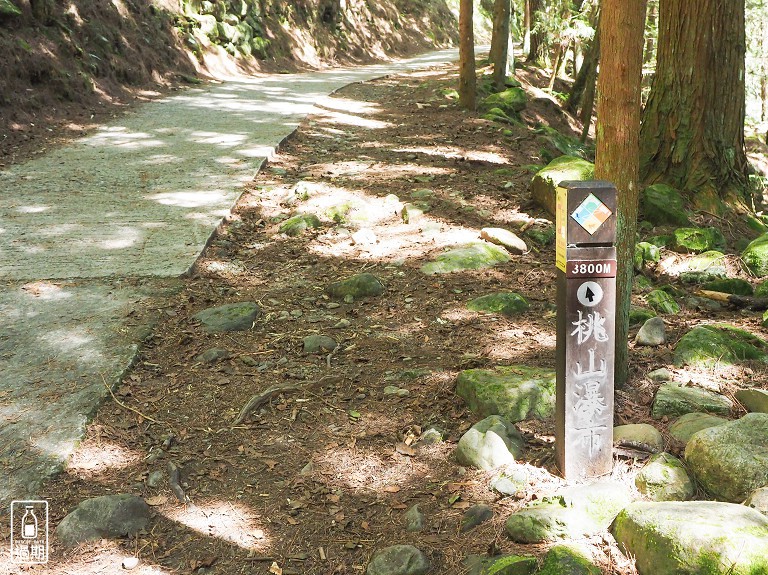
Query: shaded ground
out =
(320, 478)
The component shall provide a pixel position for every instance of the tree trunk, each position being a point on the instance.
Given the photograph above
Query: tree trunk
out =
(587, 75)
(652, 31)
(537, 43)
(467, 80)
(693, 125)
(764, 66)
(499, 54)
(527, 27)
(618, 130)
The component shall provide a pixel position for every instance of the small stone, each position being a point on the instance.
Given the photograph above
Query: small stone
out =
(504, 238)
(358, 286)
(398, 391)
(398, 560)
(474, 516)
(318, 344)
(507, 303)
(414, 520)
(130, 563)
(490, 443)
(249, 361)
(364, 237)
(229, 317)
(154, 479)
(511, 481)
(212, 355)
(660, 375)
(341, 324)
(431, 436)
(298, 224)
(653, 333)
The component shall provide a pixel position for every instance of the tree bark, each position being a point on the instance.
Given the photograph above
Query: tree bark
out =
(467, 80)
(764, 65)
(618, 129)
(537, 42)
(651, 25)
(499, 54)
(693, 125)
(587, 75)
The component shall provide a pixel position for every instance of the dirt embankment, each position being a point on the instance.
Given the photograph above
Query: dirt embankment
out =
(65, 66)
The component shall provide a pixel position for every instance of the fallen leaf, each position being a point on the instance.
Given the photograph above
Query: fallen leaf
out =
(461, 505)
(332, 498)
(271, 463)
(391, 489)
(292, 521)
(275, 568)
(399, 506)
(365, 525)
(156, 500)
(404, 449)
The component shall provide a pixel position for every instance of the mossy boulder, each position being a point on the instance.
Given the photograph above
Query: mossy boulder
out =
(755, 400)
(298, 224)
(511, 101)
(662, 204)
(507, 303)
(664, 478)
(710, 346)
(731, 460)
(470, 257)
(566, 145)
(683, 428)
(544, 183)
(697, 240)
(490, 443)
(639, 315)
(673, 400)
(645, 253)
(693, 537)
(734, 286)
(501, 565)
(567, 560)
(229, 317)
(704, 267)
(515, 392)
(662, 302)
(755, 256)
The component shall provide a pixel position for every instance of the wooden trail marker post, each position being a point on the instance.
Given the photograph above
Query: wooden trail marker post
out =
(586, 312)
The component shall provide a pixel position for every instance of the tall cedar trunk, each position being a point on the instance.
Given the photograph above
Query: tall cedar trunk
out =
(587, 72)
(764, 66)
(693, 125)
(467, 80)
(499, 54)
(618, 129)
(537, 43)
(527, 27)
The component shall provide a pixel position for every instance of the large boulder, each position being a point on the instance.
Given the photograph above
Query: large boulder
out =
(398, 560)
(474, 256)
(544, 183)
(687, 425)
(511, 101)
(753, 399)
(755, 256)
(664, 479)
(674, 400)
(693, 537)
(490, 443)
(229, 317)
(358, 286)
(697, 240)
(714, 345)
(516, 392)
(507, 303)
(662, 204)
(105, 517)
(731, 460)
(704, 267)
(565, 559)
(299, 223)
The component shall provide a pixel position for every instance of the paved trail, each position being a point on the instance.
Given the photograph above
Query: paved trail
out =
(102, 227)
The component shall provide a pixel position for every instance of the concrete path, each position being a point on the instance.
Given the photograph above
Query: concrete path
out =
(102, 227)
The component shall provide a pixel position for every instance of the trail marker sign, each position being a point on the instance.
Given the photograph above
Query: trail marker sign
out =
(586, 311)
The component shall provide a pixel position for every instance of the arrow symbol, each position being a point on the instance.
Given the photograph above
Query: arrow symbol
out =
(590, 295)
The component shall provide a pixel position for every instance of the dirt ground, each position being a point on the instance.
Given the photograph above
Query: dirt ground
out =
(322, 474)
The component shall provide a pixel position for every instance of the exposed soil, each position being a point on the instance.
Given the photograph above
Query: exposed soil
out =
(321, 475)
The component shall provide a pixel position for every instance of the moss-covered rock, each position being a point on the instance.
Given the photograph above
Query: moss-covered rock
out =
(662, 204)
(701, 537)
(511, 101)
(710, 346)
(545, 182)
(639, 315)
(731, 460)
(645, 253)
(673, 400)
(471, 257)
(358, 286)
(541, 236)
(567, 560)
(507, 303)
(508, 240)
(566, 145)
(730, 285)
(697, 240)
(501, 565)
(662, 302)
(490, 443)
(298, 224)
(683, 428)
(515, 392)
(229, 317)
(664, 478)
(755, 256)
(704, 267)
(755, 400)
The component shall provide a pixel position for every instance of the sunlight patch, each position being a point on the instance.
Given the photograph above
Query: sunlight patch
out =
(452, 153)
(232, 522)
(95, 457)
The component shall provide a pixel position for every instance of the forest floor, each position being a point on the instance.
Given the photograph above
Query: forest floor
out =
(321, 476)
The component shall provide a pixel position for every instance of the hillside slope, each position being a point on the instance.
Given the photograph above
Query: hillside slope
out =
(66, 65)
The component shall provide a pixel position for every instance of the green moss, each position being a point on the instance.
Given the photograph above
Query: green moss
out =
(755, 256)
(713, 345)
(507, 303)
(662, 204)
(662, 302)
(697, 240)
(730, 285)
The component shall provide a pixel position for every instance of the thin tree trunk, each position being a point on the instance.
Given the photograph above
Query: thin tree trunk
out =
(587, 73)
(560, 53)
(467, 80)
(617, 158)
(527, 27)
(693, 125)
(537, 42)
(588, 105)
(764, 65)
(499, 54)
(650, 38)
